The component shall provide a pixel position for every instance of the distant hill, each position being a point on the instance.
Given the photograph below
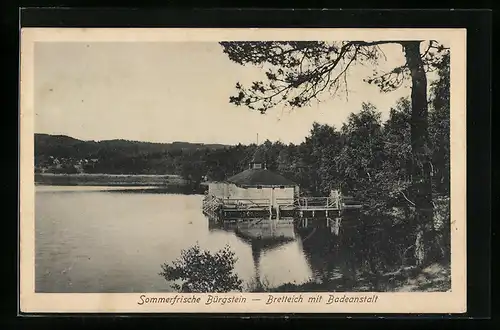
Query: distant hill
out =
(62, 146)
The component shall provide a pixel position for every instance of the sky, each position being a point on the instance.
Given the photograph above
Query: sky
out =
(175, 91)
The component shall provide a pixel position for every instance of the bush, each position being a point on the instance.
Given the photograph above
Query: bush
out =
(203, 271)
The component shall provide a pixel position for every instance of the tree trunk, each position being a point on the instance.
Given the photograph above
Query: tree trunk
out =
(421, 189)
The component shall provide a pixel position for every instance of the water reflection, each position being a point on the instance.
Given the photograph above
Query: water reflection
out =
(312, 252)
(260, 240)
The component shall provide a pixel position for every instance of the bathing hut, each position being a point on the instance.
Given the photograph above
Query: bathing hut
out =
(255, 187)
(266, 204)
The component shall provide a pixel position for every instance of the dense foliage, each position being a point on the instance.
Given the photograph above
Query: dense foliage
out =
(203, 271)
(298, 72)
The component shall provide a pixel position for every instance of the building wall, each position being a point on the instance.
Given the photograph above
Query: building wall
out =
(217, 189)
(228, 190)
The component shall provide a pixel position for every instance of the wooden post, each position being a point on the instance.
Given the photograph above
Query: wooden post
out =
(271, 222)
(271, 201)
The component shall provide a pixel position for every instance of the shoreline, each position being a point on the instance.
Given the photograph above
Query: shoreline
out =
(436, 277)
(102, 179)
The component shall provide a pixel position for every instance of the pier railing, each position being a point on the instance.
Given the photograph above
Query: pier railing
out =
(318, 203)
(249, 214)
(211, 205)
(243, 203)
(286, 202)
(335, 202)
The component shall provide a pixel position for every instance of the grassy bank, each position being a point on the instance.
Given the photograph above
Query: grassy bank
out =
(434, 278)
(108, 180)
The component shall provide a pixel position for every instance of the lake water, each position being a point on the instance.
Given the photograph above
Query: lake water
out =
(97, 239)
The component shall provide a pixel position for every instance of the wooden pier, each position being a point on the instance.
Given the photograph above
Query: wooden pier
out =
(301, 207)
(306, 212)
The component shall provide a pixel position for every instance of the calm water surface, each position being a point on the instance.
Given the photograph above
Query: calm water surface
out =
(103, 240)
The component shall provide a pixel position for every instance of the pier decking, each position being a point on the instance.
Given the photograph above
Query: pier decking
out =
(301, 207)
(258, 199)
(254, 217)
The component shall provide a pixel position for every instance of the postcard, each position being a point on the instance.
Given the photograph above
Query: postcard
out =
(242, 170)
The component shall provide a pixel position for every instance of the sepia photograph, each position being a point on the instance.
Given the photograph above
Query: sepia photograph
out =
(224, 168)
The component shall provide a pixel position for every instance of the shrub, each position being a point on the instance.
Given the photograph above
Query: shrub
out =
(203, 271)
